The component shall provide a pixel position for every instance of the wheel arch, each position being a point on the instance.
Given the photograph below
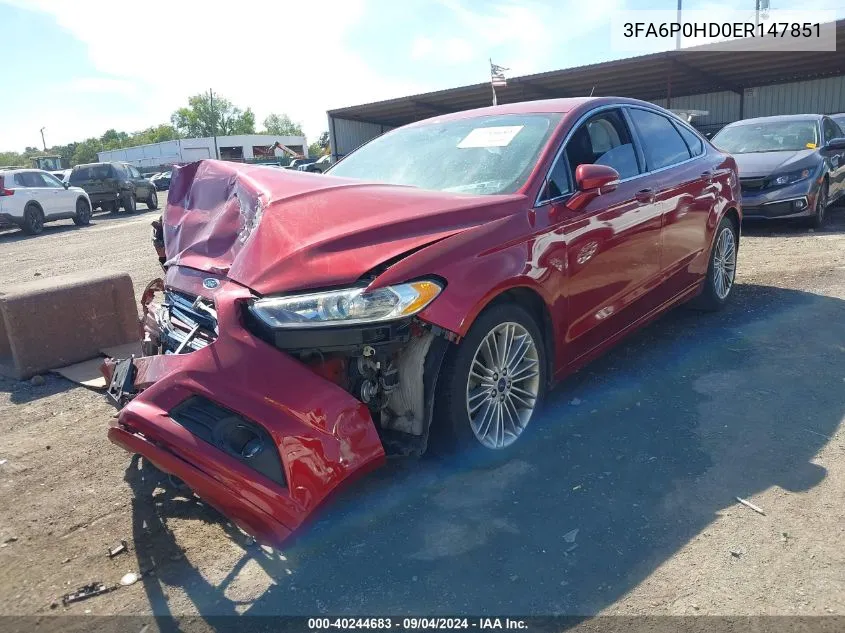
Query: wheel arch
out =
(34, 203)
(529, 298)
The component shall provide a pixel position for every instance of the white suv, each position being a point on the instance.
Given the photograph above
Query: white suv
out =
(31, 197)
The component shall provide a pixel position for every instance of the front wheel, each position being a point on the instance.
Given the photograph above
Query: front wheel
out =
(152, 201)
(493, 382)
(722, 269)
(129, 204)
(820, 216)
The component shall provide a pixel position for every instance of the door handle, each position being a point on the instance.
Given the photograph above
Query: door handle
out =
(645, 195)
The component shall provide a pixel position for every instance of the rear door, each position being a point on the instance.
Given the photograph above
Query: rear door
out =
(37, 190)
(686, 182)
(612, 245)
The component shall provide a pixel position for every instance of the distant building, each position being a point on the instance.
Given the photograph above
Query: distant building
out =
(240, 148)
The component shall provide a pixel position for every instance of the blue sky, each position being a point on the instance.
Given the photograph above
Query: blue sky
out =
(76, 74)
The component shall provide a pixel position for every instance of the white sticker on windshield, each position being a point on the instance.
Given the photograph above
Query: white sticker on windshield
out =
(500, 136)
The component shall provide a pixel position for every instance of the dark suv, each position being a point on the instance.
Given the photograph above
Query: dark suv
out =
(114, 185)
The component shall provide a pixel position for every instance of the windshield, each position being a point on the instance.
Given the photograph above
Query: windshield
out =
(482, 155)
(773, 136)
(91, 172)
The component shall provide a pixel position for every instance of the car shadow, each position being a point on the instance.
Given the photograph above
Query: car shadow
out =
(796, 228)
(24, 391)
(632, 458)
(12, 235)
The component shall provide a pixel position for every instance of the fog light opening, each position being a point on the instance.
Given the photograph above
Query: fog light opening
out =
(799, 205)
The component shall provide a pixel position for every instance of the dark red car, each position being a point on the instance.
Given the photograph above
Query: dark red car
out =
(427, 290)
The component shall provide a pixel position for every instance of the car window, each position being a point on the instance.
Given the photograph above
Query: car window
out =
(784, 135)
(28, 179)
(49, 180)
(479, 155)
(133, 172)
(604, 139)
(831, 130)
(559, 183)
(662, 143)
(693, 140)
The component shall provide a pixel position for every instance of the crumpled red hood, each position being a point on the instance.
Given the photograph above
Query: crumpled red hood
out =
(277, 230)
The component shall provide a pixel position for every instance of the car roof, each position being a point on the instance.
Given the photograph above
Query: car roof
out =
(540, 106)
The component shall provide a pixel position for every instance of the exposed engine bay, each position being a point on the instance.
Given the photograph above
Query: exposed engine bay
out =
(391, 368)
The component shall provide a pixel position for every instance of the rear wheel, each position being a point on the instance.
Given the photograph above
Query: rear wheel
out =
(152, 201)
(492, 383)
(33, 220)
(111, 207)
(129, 204)
(83, 213)
(721, 272)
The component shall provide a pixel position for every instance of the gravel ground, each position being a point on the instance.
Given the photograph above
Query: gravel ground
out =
(643, 453)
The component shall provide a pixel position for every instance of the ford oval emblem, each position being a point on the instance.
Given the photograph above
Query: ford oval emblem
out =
(210, 283)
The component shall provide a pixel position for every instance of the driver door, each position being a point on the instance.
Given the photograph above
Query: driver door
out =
(612, 245)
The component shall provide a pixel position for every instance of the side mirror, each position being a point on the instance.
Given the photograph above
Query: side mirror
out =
(834, 145)
(596, 179)
(592, 181)
(66, 184)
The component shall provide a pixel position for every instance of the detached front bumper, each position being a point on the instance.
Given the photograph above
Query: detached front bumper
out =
(324, 436)
(793, 201)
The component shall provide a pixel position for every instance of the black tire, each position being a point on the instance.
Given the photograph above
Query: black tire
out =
(820, 216)
(33, 220)
(83, 213)
(129, 204)
(111, 207)
(152, 201)
(451, 426)
(711, 298)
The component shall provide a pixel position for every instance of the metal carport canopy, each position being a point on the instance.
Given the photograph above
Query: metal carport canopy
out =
(667, 74)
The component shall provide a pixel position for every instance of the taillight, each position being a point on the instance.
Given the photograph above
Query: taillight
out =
(3, 190)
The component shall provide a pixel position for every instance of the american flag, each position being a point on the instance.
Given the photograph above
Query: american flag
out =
(497, 75)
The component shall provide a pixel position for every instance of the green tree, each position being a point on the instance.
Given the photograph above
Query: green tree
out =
(281, 125)
(320, 147)
(86, 151)
(202, 117)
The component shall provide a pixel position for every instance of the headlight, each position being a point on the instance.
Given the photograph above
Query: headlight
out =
(346, 307)
(790, 177)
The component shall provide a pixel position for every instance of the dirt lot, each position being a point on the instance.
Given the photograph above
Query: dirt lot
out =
(643, 454)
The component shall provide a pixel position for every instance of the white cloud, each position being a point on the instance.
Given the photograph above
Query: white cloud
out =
(421, 48)
(253, 55)
(101, 85)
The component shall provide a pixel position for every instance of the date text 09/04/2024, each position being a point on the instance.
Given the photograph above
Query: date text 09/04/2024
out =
(416, 624)
(722, 29)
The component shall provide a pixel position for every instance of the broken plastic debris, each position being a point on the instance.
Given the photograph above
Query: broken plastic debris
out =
(118, 549)
(129, 579)
(751, 505)
(575, 402)
(3, 461)
(569, 537)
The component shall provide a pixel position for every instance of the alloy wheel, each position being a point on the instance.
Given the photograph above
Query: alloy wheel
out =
(724, 263)
(503, 385)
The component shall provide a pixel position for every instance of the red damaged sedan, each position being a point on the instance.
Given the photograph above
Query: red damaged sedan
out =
(428, 289)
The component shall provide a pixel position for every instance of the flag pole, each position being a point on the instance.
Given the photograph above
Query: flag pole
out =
(492, 85)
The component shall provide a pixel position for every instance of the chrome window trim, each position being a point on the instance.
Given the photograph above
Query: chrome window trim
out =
(622, 106)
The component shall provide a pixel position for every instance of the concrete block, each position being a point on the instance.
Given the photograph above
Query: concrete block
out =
(55, 321)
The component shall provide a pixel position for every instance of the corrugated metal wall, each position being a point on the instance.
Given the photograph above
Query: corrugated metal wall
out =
(723, 107)
(346, 135)
(824, 96)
